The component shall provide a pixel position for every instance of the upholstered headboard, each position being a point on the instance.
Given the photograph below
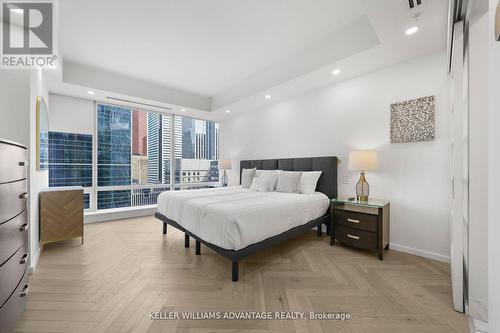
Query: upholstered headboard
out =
(327, 183)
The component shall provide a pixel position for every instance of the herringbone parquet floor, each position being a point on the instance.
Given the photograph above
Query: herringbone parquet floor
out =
(127, 269)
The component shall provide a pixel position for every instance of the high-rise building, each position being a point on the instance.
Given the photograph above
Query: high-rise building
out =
(139, 133)
(113, 145)
(114, 133)
(159, 148)
(178, 136)
(154, 147)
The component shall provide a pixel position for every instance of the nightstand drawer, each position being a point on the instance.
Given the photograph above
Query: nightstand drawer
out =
(356, 220)
(356, 238)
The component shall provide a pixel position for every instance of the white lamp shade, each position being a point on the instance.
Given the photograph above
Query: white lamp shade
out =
(225, 164)
(363, 160)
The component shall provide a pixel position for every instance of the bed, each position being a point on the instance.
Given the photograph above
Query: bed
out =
(236, 222)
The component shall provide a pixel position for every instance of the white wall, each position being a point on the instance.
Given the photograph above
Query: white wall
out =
(493, 178)
(355, 114)
(478, 168)
(38, 179)
(71, 115)
(14, 105)
(18, 92)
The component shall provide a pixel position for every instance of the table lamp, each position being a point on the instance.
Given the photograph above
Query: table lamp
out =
(224, 165)
(362, 160)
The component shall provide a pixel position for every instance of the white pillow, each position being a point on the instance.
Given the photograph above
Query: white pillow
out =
(270, 175)
(259, 173)
(261, 184)
(309, 181)
(255, 184)
(247, 177)
(288, 181)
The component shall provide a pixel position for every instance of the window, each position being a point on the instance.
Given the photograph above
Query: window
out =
(113, 145)
(137, 154)
(70, 161)
(196, 151)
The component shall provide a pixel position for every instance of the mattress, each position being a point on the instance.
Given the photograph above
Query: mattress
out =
(235, 217)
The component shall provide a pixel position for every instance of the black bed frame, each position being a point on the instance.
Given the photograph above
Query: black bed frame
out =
(327, 184)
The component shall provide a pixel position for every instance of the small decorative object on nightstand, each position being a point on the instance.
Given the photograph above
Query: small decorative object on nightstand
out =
(224, 165)
(361, 224)
(363, 160)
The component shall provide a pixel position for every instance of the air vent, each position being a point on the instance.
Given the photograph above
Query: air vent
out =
(412, 3)
(139, 103)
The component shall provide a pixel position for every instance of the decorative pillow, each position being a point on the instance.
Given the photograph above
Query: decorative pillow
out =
(288, 181)
(271, 177)
(265, 184)
(256, 183)
(309, 181)
(247, 177)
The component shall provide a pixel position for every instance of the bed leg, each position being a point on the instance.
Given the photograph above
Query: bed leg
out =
(235, 271)
(328, 229)
(320, 231)
(164, 228)
(186, 241)
(198, 248)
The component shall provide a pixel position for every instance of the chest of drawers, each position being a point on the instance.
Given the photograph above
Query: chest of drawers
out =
(13, 233)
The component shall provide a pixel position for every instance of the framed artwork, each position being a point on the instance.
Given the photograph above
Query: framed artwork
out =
(413, 120)
(42, 134)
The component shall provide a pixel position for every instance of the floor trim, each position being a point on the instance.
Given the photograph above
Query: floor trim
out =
(420, 253)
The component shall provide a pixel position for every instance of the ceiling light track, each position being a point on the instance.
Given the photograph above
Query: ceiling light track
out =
(139, 103)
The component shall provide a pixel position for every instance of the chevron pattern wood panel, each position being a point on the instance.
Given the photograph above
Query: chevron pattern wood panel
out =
(61, 215)
(127, 269)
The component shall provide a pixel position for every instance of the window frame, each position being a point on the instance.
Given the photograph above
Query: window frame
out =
(93, 191)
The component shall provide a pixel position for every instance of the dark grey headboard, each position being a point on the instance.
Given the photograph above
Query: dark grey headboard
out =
(327, 183)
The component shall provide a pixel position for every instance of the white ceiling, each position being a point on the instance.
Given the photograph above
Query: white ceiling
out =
(223, 49)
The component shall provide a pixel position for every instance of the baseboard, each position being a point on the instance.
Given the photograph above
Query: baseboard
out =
(477, 326)
(34, 261)
(420, 253)
(118, 214)
(478, 309)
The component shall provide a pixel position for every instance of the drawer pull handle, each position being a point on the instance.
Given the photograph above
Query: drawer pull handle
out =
(23, 163)
(23, 195)
(25, 291)
(24, 259)
(353, 237)
(353, 221)
(24, 227)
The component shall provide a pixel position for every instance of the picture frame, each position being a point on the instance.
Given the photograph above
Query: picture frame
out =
(42, 134)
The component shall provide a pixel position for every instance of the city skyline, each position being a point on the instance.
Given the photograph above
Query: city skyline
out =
(134, 147)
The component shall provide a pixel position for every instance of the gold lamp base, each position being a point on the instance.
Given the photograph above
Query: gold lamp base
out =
(362, 188)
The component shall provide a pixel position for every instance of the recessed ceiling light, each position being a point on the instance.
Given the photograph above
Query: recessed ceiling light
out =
(411, 30)
(268, 96)
(227, 111)
(336, 72)
(90, 92)
(183, 110)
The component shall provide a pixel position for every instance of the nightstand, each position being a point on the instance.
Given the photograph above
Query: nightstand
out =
(361, 224)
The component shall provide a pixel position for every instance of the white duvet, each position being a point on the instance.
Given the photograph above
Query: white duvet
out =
(235, 217)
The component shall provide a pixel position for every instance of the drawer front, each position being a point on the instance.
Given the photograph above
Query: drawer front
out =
(366, 222)
(12, 310)
(13, 163)
(356, 238)
(11, 273)
(13, 234)
(12, 199)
